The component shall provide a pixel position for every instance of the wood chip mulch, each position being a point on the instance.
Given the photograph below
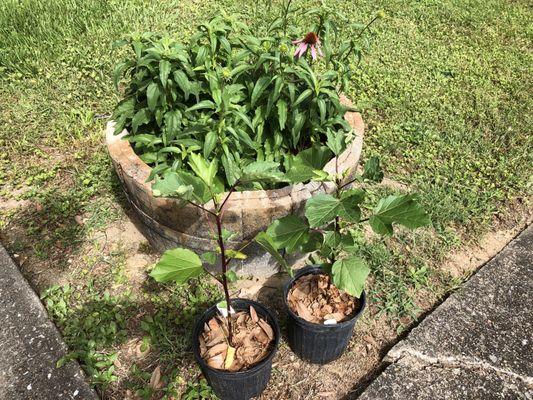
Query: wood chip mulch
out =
(253, 340)
(311, 299)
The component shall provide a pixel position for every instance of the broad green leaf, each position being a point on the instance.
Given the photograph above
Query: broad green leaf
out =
(125, 107)
(231, 170)
(202, 105)
(262, 171)
(170, 185)
(240, 69)
(265, 241)
(210, 143)
(288, 233)
(372, 170)
(308, 164)
(164, 71)
(141, 117)
(316, 157)
(201, 55)
(304, 95)
(322, 110)
(403, 210)
(118, 72)
(358, 193)
(299, 121)
(335, 141)
(259, 88)
(173, 122)
(183, 82)
(204, 170)
(200, 192)
(152, 95)
(349, 208)
(209, 257)
(349, 274)
(177, 265)
(182, 185)
(244, 118)
(282, 113)
(334, 242)
(380, 227)
(232, 276)
(323, 208)
(313, 243)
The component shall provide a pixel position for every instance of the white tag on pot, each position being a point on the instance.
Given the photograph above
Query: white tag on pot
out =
(223, 309)
(330, 322)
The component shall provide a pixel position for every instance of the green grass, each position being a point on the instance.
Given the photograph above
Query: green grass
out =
(445, 91)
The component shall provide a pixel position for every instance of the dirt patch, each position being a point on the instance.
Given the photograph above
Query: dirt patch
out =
(468, 259)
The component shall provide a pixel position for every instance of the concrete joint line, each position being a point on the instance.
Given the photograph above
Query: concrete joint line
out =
(395, 356)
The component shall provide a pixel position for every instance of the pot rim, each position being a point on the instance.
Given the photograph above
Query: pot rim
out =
(256, 367)
(316, 269)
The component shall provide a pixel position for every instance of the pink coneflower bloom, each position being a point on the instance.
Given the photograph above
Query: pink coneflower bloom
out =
(310, 40)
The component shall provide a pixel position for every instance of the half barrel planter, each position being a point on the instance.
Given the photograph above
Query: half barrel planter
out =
(169, 223)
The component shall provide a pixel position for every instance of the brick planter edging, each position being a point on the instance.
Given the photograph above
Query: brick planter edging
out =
(169, 223)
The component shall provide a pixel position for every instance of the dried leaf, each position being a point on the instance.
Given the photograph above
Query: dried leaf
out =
(218, 349)
(216, 361)
(155, 379)
(230, 356)
(266, 328)
(253, 314)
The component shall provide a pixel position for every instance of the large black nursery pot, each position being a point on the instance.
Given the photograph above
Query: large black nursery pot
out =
(317, 343)
(241, 385)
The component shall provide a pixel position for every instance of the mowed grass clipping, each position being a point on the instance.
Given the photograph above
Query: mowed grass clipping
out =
(445, 91)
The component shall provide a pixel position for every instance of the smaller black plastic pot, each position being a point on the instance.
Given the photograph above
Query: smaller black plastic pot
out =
(317, 343)
(241, 385)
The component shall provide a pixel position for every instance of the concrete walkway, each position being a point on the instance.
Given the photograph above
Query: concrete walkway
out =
(477, 344)
(30, 345)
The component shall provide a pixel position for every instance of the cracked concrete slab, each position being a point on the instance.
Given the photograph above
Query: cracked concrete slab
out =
(410, 379)
(30, 345)
(483, 331)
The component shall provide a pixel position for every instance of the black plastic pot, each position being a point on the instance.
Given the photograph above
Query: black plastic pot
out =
(317, 343)
(241, 385)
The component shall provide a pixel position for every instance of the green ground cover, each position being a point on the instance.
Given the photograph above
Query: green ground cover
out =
(445, 91)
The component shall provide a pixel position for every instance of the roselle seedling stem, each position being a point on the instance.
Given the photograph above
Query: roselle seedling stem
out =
(224, 263)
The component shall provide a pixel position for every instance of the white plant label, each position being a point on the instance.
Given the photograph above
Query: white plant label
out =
(330, 322)
(223, 309)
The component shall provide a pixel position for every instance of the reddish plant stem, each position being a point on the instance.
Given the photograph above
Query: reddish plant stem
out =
(224, 263)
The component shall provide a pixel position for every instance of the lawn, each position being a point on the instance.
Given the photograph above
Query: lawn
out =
(444, 88)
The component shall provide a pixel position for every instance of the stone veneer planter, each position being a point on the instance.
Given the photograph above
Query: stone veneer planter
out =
(168, 223)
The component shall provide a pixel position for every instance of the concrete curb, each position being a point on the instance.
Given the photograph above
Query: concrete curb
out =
(30, 345)
(477, 344)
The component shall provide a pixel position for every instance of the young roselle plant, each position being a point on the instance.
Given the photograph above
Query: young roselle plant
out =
(329, 219)
(199, 188)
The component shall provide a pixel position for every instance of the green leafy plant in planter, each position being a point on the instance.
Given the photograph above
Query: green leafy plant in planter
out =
(234, 96)
(332, 293)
